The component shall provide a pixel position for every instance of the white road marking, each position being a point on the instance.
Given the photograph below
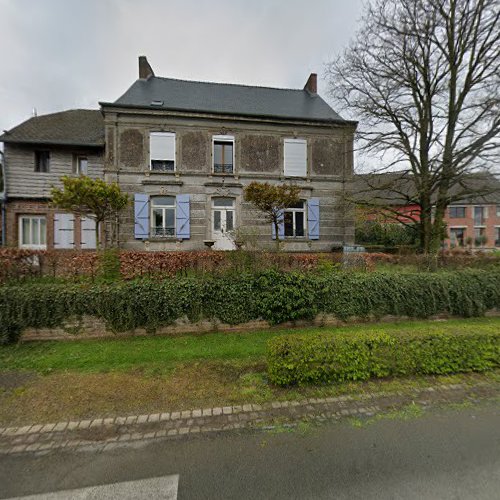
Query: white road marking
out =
(161, 488)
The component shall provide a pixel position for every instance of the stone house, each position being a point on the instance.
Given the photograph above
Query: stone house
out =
(184, 151)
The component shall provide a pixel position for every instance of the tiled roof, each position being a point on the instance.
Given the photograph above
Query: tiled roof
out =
(228, 99)
(398, 188)
(75, 127)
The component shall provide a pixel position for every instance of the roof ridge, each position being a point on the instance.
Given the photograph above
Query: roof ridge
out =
(225, 83)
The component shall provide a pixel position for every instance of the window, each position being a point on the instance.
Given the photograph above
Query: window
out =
(163, 216)
(223, 155)
(457, 212)
(42, 161)
(497, 236)
(498, 210)
(295, 221)
(295, 158)
(480, 238)
(479, 216)
(162, 151)
(32, 231)
(457, 236)
(223, 214)
(80, 165)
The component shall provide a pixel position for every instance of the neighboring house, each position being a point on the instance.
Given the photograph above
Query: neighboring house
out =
(36, 154)
(184, 151)
(472, 219)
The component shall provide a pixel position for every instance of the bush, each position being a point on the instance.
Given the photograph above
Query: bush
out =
(385, 234)
(327, 358)
(272, 295)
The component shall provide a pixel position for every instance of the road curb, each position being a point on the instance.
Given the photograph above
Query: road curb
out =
(44, 437)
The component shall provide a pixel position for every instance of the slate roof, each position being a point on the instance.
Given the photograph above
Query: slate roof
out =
(398, 189)
(228, 99)
(74, 127)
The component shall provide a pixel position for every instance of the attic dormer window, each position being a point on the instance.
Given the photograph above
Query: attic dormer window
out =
(162, 151)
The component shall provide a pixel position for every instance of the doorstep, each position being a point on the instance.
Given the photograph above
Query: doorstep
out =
(42, 438)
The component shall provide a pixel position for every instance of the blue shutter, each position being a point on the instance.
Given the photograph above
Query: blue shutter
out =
(182, 223)
(141, 214)
(281, 226)
(313, 218)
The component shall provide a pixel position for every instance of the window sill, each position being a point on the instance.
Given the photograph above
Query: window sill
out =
(163, 238)
(33, 247)
(161, 172)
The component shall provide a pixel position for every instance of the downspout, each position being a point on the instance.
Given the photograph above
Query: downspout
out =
(3, 197)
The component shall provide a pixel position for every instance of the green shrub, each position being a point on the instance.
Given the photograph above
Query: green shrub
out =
(271, 295)
(327, 358)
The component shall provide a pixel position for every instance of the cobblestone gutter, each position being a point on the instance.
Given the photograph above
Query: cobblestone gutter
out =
(41, 438)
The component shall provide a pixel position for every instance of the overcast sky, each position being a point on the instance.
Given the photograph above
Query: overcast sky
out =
(61, 54)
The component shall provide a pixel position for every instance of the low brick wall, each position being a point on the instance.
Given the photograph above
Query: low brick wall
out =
(89, 327)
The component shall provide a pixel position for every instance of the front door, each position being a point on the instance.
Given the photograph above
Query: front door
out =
(223, 223)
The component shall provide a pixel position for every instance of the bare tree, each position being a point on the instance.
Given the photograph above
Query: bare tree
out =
(423, 76)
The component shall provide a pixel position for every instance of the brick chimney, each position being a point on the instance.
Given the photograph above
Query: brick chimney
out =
(145, 70)
(312, 84)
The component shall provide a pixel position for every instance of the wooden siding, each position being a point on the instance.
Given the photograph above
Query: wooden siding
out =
(24, 182)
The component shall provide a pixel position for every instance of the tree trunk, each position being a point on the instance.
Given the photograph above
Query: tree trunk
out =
(97, 239)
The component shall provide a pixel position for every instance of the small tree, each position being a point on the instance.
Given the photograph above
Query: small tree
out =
(272, 201)
(92, 198)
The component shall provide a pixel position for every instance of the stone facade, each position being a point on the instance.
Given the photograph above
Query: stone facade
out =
(258, 156)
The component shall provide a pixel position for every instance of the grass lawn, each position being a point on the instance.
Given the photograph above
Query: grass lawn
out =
(51, 381)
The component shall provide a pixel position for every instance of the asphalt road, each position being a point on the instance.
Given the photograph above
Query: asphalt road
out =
(447, 454)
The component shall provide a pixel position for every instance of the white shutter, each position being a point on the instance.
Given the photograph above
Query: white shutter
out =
(64, 234)
(295, 158)
(162, 146)
(88, 233)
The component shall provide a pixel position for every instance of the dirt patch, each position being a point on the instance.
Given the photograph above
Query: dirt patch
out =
(10, 380)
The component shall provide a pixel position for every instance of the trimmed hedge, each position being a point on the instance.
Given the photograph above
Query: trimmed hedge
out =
(237, 298)
(327, 358)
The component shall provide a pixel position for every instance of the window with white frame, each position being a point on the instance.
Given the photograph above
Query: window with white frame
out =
(81, 165)
(162, 151)
(163, 216)
(223, 154)
(457, 236)
(295, 221)
(479, 216)
(32, 231)
(295, 157)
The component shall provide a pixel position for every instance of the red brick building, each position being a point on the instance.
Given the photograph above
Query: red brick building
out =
(472, 221)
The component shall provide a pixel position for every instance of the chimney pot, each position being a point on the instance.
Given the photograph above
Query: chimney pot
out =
(312, 84)
(145, 70)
